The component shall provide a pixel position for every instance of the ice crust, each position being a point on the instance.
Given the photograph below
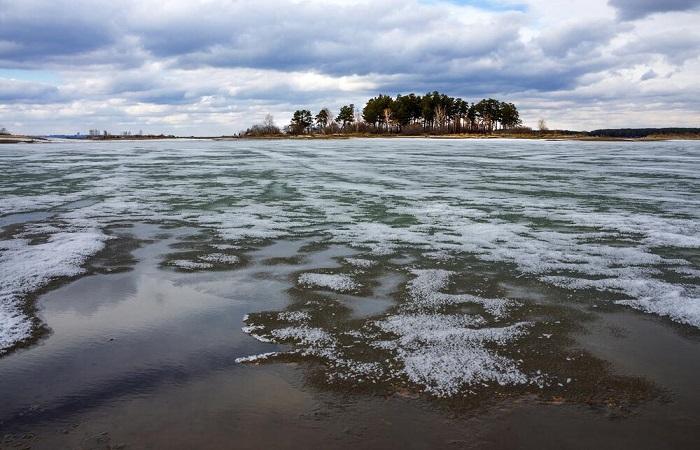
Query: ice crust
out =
(27, 267)
(256, 358)
(444, 354)
(220, 258)
(425, 293)
(361, 262)
(339, 283)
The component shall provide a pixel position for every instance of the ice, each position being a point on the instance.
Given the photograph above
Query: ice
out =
(27, 267)
(304, 335)
(425, 293)
(563, 213)
(256, 358)
(190, 265)
(444, 353)
(220, 258)
(339, 283)
(680, 303)
(294, 316)
(361, 262)
(225, 246)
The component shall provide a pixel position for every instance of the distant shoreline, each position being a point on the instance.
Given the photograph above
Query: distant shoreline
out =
(542, 136)
(18, 139)
(545, 137)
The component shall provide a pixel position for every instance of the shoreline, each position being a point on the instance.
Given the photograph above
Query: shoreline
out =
(313, 137)
(19, 139)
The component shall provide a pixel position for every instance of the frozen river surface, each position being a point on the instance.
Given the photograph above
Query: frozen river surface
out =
(443, 266)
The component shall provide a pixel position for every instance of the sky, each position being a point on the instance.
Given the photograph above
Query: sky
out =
(212, 67)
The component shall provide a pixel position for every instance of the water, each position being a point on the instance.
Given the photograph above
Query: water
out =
(440, 271)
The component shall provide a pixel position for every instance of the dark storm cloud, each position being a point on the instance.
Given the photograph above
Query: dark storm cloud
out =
(32, 30)
(635, 9)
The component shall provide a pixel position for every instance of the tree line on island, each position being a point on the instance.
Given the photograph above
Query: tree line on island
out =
(412, 114)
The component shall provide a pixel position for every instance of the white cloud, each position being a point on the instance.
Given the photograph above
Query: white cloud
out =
(215, 66)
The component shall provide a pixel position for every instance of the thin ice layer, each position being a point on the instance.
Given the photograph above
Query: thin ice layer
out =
(26, 268)
(563, 212)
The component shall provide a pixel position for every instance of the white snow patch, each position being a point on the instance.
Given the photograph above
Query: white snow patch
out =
(361, 263)
(256, 358)
(226, 246)
(294, 316)
(304, 335)
(335, 282)
(26, 268)
(424, 292)
(444, 354)
(678, 302)
(220, 258)
(190, 265)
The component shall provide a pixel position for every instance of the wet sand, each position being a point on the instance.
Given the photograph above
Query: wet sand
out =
(145, 358)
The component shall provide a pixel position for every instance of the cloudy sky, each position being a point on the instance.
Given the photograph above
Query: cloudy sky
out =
(217, 66)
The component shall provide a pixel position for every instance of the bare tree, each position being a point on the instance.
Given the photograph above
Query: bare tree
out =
(387, 117)
(440, 116)
(542, 125)
(269, 122)
(266, 128)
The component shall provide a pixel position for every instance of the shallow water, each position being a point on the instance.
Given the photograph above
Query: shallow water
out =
(460, 284)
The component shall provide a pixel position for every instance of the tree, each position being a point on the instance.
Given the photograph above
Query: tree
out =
(488, 113)
(346, 115)
(4, 131)
(471, 117)
(373, 110)
(266, 128)
(432, 112)
(301, 121)
(440, 115)
(269, 123)
(542, 125)
(322, 118)
(406, 109)
(509, 115)
(462, 112)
